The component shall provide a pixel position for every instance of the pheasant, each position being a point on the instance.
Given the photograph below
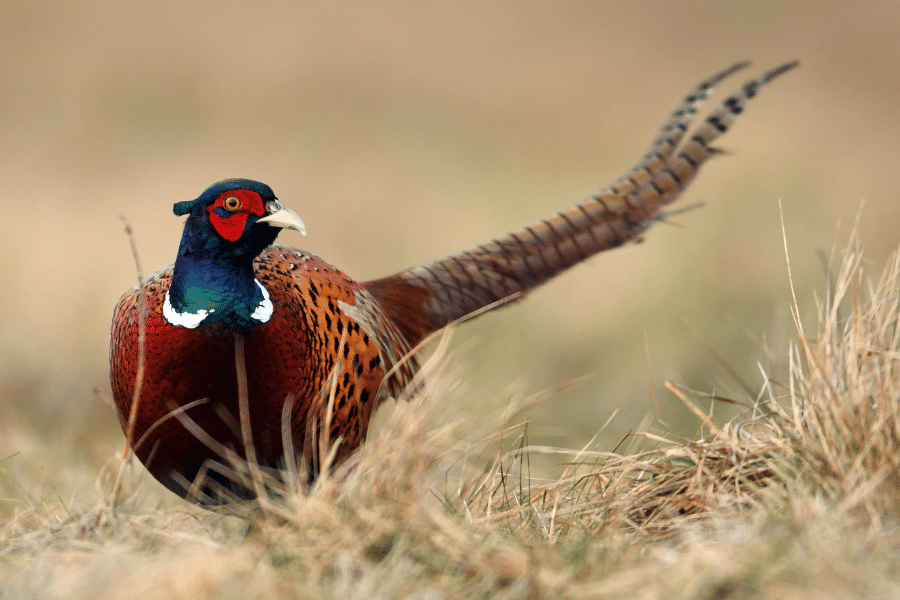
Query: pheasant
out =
(315, 351)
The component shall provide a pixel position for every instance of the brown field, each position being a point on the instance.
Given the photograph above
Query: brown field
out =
(401, 131)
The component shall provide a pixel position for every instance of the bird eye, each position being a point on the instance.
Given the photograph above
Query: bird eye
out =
(231, 203)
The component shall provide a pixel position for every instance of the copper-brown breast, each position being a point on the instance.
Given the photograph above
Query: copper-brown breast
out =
(311, 351)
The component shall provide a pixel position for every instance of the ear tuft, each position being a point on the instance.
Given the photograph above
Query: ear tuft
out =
(183, 208)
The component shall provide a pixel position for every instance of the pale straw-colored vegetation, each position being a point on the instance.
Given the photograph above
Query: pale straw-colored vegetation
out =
(797, 497)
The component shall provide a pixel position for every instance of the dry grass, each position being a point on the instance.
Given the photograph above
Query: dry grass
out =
(796, 498)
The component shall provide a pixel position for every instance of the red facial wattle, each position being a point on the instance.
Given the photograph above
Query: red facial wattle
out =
(229, 217)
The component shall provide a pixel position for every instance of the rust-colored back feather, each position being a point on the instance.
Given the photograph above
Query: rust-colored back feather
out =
(433, 294)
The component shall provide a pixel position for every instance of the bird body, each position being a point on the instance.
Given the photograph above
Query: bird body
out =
(310, 349)
(321, 350)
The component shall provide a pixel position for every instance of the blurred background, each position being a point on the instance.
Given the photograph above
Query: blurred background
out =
(401, 131)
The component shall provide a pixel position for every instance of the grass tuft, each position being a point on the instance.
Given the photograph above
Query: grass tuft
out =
(797, 497)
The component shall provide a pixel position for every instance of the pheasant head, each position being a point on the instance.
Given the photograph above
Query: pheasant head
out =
(228, 225)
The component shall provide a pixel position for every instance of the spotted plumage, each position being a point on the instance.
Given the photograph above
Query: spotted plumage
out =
(310, 349)
(322, 348)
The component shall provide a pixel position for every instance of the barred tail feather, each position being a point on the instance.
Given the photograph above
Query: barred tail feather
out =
(449, 288)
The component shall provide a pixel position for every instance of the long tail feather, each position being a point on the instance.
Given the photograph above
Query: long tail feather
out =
(433, 294)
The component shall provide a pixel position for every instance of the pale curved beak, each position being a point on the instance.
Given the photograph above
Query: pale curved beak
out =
(286, 219)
